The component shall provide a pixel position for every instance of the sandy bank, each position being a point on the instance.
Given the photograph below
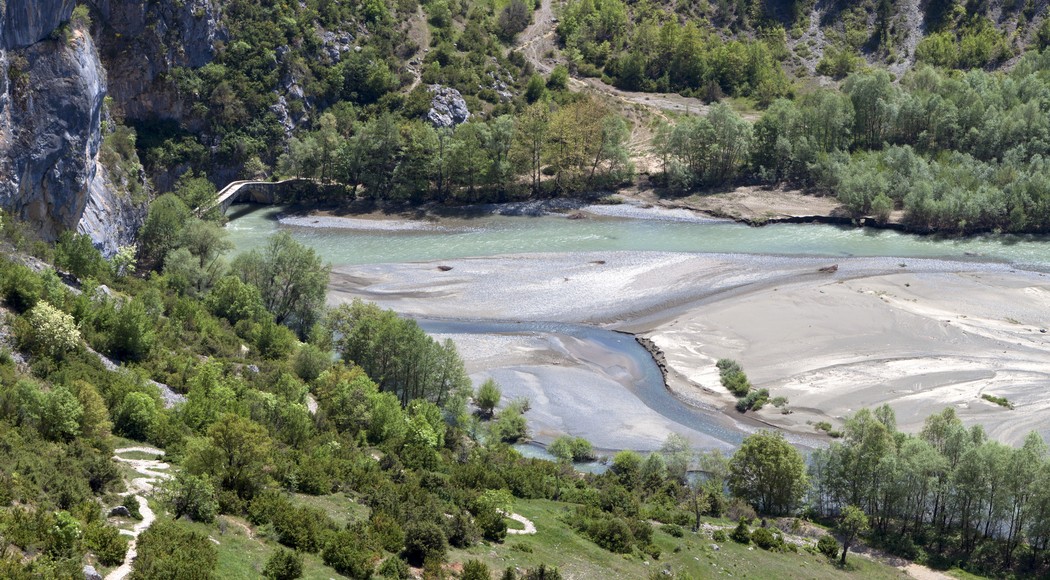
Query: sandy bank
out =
(919, 337)
(918, 341)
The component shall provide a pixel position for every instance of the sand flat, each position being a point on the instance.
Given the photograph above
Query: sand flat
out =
(916, 341)
(918, 337)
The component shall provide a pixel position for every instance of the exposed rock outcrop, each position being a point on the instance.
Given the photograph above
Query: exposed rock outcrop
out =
(51, 99)
(27, 22)
(447, 107)
(142, 41)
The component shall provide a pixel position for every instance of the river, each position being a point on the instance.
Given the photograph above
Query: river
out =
(586, 379)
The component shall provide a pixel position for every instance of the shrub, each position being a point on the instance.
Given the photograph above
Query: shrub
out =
(574, 449)
(719, 536)
(284, 565)
(192, 496)
(613, 534)
(132, 335)
(741, 534)
(49, 331)
(22, 288)
(387, 532)
(106, 542)
(475, 570)
(493, 527)
(136, 416)
(673, 530)
(828, 546)
(300, 528)
(169, 550)
(76, 254)
(344, 552)
(542, 572)
(424, 541)
(511, 426)
(394, 567)
(310, 362)
(764, 538)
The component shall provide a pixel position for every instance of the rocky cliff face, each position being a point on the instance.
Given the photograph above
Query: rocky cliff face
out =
(51, 99)
(142, 40)
(27, 22)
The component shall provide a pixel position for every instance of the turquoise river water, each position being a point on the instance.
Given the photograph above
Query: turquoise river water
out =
(368, 241)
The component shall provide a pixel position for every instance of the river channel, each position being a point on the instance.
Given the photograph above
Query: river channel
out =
(582, 376)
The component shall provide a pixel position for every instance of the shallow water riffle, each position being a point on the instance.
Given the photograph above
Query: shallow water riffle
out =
(368, 240)
(585, 382)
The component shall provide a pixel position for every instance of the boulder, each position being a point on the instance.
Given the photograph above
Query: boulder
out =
(120, 512)
(91, 574)
(447, 107)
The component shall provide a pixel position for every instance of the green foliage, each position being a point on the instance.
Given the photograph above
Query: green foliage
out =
(344, 552)
(828, 546)
(741, 533)
(291, 280)
(768, 473)
(136, 416)
(655, 53)
(131, 332)
(233, 299)
(191, 496)
(284, 565)
(233, 454)
(162, 229)
(169, 550)
(310, 361)
(766, 539)
(708, 150)
(558, 80)
(63, 535)
(424, 541)
(415, 366)
(108, 545)
(852, 523)
(48, 331)
(487, 397)
(754, 400)
(21, 287)
(76, 254)
(974, 44)
(572, 449)
(510, 426)
(1001, 401)
(475, 570)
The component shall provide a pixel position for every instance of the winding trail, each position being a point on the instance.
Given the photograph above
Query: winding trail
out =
(530, 528)
(152, 471)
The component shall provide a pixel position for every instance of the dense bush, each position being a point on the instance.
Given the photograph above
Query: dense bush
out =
(828, 546)
(766, 539)
(106, 542)
(424, 541)
(283, 565)
(344, 552)
(169, 550)
(741, 533)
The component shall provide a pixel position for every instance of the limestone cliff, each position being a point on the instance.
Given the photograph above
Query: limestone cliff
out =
(143, 41)
(52, 88)
(26, 22)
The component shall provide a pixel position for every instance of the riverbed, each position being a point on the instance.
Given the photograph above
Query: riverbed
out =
(533, 299)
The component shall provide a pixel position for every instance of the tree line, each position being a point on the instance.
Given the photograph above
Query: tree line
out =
(580, 144)
(955, 152)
